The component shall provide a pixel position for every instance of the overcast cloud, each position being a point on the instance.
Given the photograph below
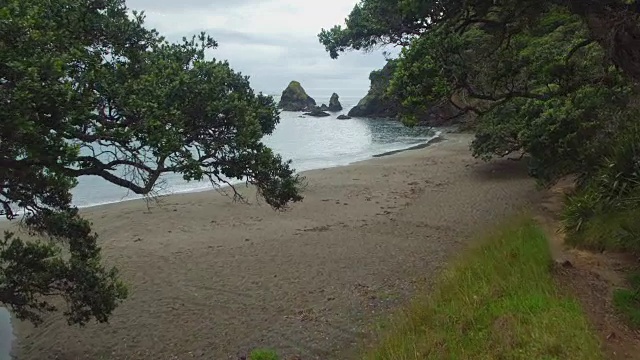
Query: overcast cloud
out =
(272, 41)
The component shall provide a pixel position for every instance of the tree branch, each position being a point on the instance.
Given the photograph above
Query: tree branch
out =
(101, 169)
(577, 47)
(507, 96)
(464, 109)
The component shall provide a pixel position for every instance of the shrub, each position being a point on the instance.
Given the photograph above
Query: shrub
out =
(603, 212)
(616, 231)
(627, 301)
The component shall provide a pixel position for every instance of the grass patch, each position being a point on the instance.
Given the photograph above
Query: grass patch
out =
(263, 354)
(498, 302)
(627, 301)
(612, 231)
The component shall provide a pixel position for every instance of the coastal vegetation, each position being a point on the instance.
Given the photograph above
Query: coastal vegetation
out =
(556, 81)
(627, 300)
(378, 102)
(381, 103)
(553, 81)
(498, 301)
(87, 90)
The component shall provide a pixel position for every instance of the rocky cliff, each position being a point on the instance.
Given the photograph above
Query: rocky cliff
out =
(377, 103)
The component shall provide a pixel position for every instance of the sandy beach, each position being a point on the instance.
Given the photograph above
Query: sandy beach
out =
(213, 279)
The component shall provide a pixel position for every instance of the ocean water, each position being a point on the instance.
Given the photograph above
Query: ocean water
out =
(311, 143)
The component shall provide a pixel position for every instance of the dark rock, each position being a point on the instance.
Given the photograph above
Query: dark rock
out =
(566, 264)
(334, 103)
(294, 98)
(317, 113)
(343, 117)
(322, 107)
(377, 103)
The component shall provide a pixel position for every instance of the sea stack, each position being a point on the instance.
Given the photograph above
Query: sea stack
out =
(334, 103)
(294, 98)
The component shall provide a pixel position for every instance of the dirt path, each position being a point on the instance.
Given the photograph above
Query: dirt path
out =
(211, 279)
(591, 278)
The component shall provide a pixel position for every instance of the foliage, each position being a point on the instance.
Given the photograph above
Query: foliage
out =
(535, 73)
(371, 23)
(529, 70)
(627, 301)
(378, 102)
(88, 91)
(425, 61)
(618, 173)
(608, 230)
(556, 80)
(602, 213)
(544, 77)
(263, 354)
(612, 23)
(580, 208)
(563, 135)
(499, 301)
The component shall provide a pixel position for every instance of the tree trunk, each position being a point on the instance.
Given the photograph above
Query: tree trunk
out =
(616, 27)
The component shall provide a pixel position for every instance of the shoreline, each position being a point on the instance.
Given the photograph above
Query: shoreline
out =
(215, 278)
(437, 137)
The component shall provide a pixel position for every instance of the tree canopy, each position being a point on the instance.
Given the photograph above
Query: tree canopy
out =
(87, 90)
(612, 23)
(556, 80)
(538, 75)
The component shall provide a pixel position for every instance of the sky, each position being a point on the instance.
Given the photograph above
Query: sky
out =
(272, 41)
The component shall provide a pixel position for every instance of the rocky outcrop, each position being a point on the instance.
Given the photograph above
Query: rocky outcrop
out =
(317, 113)
(377, 103)
(334, 103)
(294, 98)
(323, 107)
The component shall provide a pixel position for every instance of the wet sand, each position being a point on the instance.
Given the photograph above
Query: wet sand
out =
(212, 279)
